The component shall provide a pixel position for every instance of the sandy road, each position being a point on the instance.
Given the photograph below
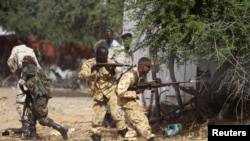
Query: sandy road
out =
(69, 108)
(66, 107)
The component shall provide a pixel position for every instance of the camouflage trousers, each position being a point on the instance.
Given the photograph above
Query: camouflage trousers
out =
(39, 111)
(137, 123)
(99, 109)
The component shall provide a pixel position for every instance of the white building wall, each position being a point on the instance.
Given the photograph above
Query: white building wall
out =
(183, 73)
(128, 26)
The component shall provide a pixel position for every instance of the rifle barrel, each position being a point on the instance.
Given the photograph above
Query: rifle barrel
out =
(149, 85)
(112, 64)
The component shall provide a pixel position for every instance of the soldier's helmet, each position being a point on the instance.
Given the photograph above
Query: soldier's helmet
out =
(29, 59)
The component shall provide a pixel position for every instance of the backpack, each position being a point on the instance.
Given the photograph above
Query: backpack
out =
(45, 80)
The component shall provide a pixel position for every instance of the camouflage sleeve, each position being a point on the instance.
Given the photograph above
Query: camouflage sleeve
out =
(85, 71)
(105, 75)
(125, 82)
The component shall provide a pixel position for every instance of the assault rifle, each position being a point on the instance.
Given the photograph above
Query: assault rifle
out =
(28, 100)
(150, 85)
(97, 66)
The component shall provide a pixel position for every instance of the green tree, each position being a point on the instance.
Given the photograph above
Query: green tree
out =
(62, 21)
(210, 30)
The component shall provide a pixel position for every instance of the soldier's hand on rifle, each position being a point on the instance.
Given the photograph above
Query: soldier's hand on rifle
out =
(21, 81)
(138, 91)
(111, 69)
(94, 68)
(22, 86)
(157, 80)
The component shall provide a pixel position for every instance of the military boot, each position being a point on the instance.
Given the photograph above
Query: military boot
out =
(62, 130)
(32, 134)
(23, 129)
(108, 121)
(96, 137)
(123, 132)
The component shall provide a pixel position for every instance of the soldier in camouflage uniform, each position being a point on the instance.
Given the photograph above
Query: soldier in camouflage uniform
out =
(103, 86)
(121, 54)
(135, 118)
(35, 84)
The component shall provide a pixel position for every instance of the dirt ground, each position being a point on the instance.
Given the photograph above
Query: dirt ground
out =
(73, 110)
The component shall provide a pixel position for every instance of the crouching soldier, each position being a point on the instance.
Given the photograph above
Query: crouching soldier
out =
(35, 84)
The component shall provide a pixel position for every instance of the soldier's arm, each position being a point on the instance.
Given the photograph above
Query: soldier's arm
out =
(123, 85)
(85, 71)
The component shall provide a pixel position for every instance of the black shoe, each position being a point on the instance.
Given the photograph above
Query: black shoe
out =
(24, 129)
(96, 137)
(6, 133)
(123, 132)
(63, 131)
(32, 134)
(108, 121)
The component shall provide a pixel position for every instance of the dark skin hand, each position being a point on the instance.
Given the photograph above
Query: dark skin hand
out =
(94, 68)
(143, 70)
(111, 70)
(157, 80)
(138, 91)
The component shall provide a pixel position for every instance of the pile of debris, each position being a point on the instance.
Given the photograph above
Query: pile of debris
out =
(67, 79)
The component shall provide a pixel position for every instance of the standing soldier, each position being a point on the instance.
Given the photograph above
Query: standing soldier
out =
(121, 54)
(135, 118)
(111, 42)
(103, 86)
(15, 65)
(35, 84)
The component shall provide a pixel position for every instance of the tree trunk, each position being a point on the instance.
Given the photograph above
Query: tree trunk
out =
(155, 93)
(172, 56)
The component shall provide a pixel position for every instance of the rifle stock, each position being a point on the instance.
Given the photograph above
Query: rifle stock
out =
(97, 66)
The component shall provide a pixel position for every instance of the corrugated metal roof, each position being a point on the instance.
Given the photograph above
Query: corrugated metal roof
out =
(4, 32)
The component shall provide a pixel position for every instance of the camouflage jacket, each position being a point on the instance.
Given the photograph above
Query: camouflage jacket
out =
(36, 81)
(128, 99)
(102, 83)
